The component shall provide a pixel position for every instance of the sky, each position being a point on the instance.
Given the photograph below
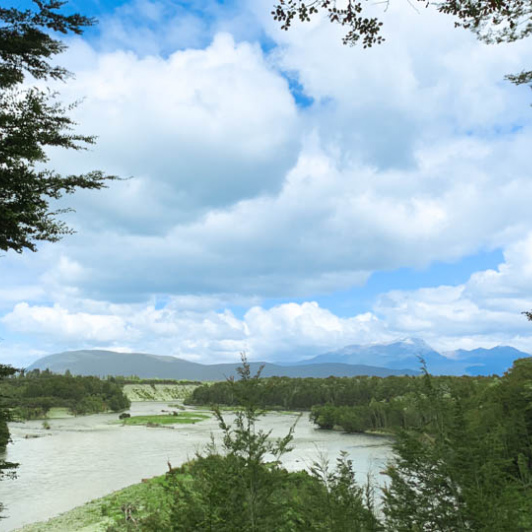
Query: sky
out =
(283, 194)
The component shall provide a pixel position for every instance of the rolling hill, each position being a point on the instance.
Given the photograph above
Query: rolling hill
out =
(105, 363)
(395, 358)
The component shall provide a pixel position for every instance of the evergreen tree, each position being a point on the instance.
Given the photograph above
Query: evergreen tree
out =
(31, 121)
(243, 486)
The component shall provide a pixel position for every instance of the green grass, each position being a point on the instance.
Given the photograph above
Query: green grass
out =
(100, 514)
(232, 409)
(166, 419)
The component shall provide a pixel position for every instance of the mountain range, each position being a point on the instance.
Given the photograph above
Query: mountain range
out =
(164, 367)
(396, 358)
(408, 353)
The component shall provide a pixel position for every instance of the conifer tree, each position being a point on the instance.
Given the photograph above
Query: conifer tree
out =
(31, 121)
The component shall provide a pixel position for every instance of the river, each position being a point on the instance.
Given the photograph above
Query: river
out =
(83, 458)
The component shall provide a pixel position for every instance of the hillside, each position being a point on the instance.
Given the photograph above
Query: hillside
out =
(394, 358)
(408, 352)
(146, 366)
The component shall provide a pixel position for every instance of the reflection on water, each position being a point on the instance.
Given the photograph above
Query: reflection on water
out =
(83, 458)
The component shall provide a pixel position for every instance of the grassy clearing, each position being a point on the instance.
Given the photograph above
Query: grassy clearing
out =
(166, 419)
(101, 514)
(233, 409)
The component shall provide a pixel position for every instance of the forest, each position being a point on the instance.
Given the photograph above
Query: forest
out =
(462, 444)
(353, 404)
(462, 456)
(31, 395)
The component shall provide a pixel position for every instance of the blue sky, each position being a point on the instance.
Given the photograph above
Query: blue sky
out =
(358, 299)
(288, 195)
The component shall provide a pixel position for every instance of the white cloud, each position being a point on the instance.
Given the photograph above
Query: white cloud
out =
(285, 331)
(198, 130)
(413, 152)
(291, 331)
(328, 228)
(57, 321)
(396, 172)
(485, 311)
(160, 27)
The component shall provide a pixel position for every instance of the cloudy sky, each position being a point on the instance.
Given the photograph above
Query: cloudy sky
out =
(287, 195)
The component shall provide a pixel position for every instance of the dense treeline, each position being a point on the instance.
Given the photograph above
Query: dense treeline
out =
(31, 395)
(401, 408)
(304, 393)
(468, 464)
(354, 404)
(5, 411)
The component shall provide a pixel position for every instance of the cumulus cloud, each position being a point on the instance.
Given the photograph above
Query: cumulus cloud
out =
(327, 229)
(284, 332)
(59, 322)
(198, 130)
(393, 173)
(160, 27)
(485, 311)
(413, 152)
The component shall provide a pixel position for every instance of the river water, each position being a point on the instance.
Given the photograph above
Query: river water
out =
(83, 458)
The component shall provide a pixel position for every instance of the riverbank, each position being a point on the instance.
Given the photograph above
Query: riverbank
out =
(136, 393)
(98, 515)
(83, 458)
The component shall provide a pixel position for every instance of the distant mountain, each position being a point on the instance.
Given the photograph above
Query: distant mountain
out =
(395, 358)
(482, 361)
(395, 355)
(406, 354)
(164, 367)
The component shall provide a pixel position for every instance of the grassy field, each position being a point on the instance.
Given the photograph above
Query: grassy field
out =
(166, 419)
